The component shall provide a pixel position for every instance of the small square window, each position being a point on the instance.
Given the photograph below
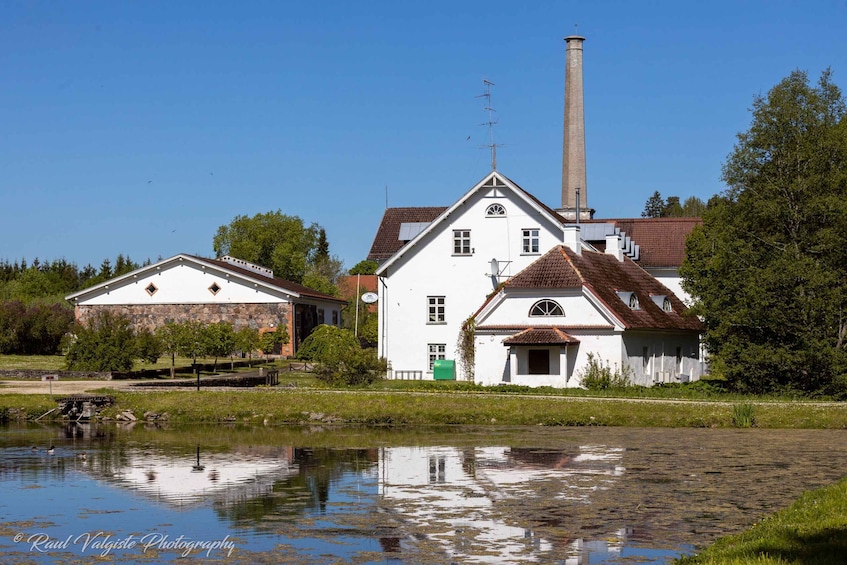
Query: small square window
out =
(530, 241)
(462, 242)
(215, 288)
(435, 310)
(151, 289)
(436, 351)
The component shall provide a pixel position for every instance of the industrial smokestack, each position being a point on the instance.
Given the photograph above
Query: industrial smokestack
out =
(574, 185)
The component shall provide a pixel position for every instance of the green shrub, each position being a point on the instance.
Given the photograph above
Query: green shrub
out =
(149, 346)
(340, 358)
(357, 367)
(599, 376)
(327, 344)
(107, 343)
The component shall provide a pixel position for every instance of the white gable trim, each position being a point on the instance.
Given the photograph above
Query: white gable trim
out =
(130, 277)
(603, 309)
(434, 225)
(502, 295)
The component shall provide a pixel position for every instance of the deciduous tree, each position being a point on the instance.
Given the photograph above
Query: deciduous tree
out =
(273, 239)
(768, 265)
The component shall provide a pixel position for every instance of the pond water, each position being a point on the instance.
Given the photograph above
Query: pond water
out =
(572, 496)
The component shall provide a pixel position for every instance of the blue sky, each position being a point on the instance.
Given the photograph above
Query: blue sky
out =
(141, 127)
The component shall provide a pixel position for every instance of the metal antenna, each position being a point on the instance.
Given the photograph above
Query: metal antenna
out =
(490, 123)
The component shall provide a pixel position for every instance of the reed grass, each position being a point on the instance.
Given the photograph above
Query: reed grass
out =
(742, 415)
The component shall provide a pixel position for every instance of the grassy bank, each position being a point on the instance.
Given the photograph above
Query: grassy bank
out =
(293, 406)
(812, 530)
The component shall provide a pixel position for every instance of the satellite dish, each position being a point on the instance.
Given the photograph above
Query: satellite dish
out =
(370, 297)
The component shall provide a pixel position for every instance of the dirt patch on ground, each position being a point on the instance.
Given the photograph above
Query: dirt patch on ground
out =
(61, 387)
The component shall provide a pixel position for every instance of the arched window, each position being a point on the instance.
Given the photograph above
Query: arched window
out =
(629, 298)
(546, 308)
(495, 211)
(666, 305)
(633, 301)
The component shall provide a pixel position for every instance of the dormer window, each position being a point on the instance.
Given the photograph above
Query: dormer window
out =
(629, 298)
(663, 302)
(495, 211)
(546, 307)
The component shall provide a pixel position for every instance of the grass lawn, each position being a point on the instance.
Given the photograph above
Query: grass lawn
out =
(811, 531)
(34, 362)
(57, 362)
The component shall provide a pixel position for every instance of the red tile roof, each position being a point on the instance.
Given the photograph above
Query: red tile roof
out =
(661, 240)
(387, 242)
(540, 336)
(605, 276)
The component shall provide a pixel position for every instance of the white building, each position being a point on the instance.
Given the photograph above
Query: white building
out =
(448, 262)
(433, 283)
(542, 326)
(186, 287)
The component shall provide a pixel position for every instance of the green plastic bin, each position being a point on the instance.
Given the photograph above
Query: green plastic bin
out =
(444, 370)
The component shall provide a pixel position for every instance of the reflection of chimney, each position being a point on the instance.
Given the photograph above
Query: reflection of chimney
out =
(574, 189)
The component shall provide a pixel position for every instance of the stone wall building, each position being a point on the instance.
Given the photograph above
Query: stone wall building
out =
(186, 287)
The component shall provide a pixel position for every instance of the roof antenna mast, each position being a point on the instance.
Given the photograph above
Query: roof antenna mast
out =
(490, 123)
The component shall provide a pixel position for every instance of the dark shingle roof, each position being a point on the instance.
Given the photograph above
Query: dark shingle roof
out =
(605, 276)
(387, 241)
(661, 240)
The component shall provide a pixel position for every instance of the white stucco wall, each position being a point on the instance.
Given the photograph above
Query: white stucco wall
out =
(661, 362)
(429, 268)
(183, 282)
(493, 365)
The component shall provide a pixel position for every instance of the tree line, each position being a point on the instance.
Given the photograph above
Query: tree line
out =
(658, 207)
(51, 281)
(34, 315)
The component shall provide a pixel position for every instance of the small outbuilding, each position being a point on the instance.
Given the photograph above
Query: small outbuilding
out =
(186, 287)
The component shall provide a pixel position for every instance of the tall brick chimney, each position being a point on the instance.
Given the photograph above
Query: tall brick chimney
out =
(574, 185)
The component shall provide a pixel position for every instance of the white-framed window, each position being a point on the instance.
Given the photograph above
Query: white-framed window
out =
(462, 242)
(530, 240)
(321, 316)
(436, 351)
(633, 301)
(667, 306)
(435, 310)
(546, 307)
(495, 211)
(629, 298)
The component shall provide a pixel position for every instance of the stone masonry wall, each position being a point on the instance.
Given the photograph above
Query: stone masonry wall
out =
(151, 316)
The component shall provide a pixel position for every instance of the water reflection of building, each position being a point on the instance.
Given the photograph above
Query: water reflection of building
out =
(190, 478)
(455, 501)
